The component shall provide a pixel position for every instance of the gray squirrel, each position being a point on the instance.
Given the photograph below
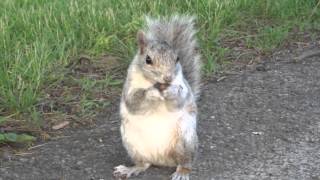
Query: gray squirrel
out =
(158, 105)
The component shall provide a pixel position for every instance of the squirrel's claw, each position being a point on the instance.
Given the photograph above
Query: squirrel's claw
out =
(123, 172)
(180, 176)
(154, 94)
(172, 91)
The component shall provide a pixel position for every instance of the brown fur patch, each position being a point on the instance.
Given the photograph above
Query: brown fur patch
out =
(172, 151)
(176, 150)
(192, 108)
(183, 170)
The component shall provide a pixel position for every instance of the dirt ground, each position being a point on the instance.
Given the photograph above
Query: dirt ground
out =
(259, 123)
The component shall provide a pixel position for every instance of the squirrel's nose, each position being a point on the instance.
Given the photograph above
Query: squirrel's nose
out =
(168, 79)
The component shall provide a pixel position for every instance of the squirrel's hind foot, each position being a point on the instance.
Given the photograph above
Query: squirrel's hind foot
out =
(182, 173)
(180, 176)
(123, 172)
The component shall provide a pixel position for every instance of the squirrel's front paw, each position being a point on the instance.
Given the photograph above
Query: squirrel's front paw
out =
(154, 94)
(172, 91)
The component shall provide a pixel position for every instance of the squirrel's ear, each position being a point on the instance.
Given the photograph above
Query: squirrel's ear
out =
(142, 42)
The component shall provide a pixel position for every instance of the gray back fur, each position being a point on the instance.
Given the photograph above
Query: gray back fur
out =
(179, 33)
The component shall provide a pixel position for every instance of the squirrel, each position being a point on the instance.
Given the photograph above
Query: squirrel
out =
(158, 105)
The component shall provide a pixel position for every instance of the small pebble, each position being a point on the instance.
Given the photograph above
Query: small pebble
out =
(257, 132)
(88, 170)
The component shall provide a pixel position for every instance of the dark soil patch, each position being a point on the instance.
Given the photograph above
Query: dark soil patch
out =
(87, 88)
(76, 94)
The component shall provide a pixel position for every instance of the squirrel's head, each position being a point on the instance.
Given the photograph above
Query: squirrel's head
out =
(157, 60)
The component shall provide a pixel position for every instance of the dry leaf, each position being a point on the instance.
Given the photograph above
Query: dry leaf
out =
(60, 125)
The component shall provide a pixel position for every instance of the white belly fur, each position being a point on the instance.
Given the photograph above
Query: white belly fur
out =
(151, 135)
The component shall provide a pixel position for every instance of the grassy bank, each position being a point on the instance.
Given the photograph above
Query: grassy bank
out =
(38, 37)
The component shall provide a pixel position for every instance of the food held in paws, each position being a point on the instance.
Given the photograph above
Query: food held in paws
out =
(161, 86)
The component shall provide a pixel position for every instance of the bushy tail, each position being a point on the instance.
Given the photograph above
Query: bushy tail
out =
(179, 33)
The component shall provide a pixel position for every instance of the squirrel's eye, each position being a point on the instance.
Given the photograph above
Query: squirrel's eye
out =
(148, 60)
(177, 60)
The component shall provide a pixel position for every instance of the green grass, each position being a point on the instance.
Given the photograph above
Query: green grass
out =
(39, 36)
